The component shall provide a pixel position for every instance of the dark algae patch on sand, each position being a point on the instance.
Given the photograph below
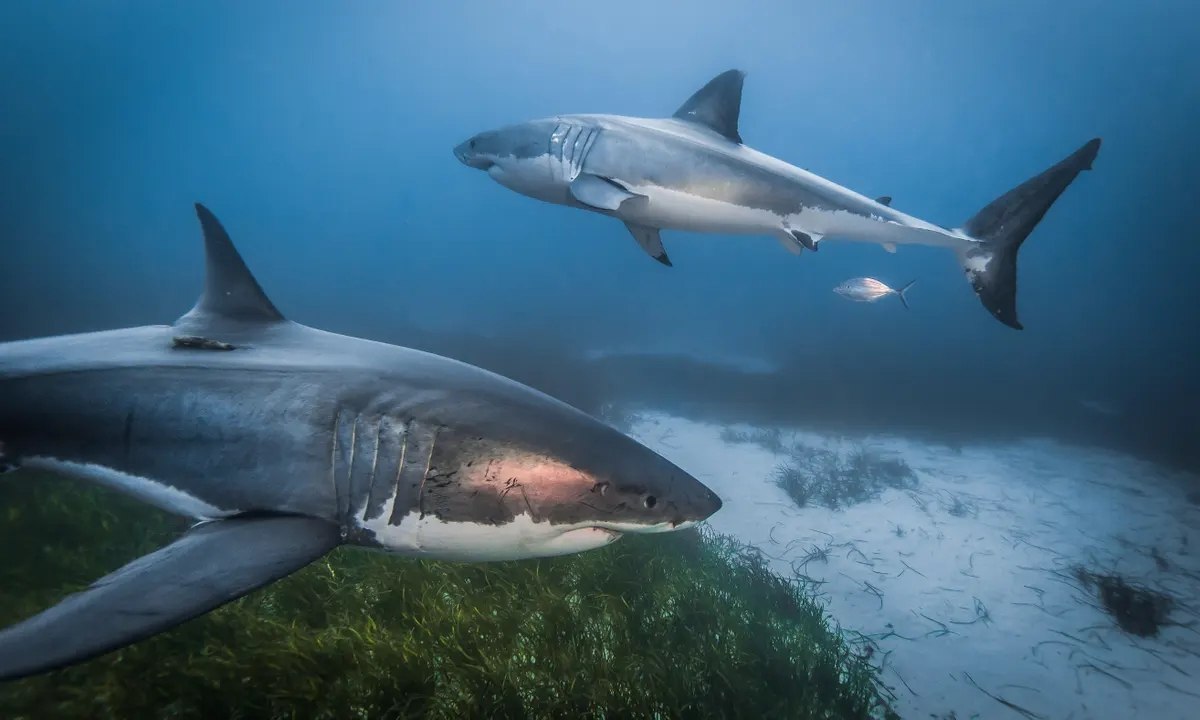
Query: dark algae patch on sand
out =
(1135, 608)
(688, 624)
(838, 479)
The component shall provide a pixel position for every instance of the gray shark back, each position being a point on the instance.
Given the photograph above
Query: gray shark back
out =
(671, 154)
(112, 401)
(109, 406)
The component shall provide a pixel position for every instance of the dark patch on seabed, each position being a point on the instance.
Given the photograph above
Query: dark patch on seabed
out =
(1137, 609)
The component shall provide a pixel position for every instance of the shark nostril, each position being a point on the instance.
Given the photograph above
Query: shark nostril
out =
(650, 501)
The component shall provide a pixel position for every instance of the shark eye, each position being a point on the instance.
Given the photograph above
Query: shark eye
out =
(650, 501)
(471, 144)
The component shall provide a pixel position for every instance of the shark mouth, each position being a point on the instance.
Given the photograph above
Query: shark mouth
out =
(430, 537)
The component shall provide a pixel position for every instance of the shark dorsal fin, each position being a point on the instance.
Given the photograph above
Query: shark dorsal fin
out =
(230, 291)
(717, 105)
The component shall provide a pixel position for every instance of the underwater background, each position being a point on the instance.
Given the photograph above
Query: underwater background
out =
(321, 135)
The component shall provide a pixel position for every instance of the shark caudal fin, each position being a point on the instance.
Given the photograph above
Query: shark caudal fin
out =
(901, 291)
(1001, 227)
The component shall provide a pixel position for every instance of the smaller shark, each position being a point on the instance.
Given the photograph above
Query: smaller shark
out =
(283, 442)
(869, 290)
(691, 171)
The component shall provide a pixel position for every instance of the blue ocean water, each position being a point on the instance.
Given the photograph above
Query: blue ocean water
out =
(321, 134)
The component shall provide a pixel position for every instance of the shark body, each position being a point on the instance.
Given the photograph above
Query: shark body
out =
(284, 441)
(692, 171)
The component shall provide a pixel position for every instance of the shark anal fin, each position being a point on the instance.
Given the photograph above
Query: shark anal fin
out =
(599, 192)
(651, 241)
(717, 105)
(210, 565)
(885, 200)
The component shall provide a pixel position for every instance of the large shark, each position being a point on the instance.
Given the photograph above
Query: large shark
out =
(284, 442)
(691, 171)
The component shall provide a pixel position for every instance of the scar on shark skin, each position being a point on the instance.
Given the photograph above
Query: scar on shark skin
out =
(200, 343)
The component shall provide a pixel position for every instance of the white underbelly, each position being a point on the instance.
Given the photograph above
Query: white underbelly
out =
(676, 210)
(426, 536)
(155, 492)
(847, 225)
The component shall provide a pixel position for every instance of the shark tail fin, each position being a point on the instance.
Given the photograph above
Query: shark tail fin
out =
(1001, 227)
(901, 291)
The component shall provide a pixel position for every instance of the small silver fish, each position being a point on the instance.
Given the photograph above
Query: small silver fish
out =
(870, 290)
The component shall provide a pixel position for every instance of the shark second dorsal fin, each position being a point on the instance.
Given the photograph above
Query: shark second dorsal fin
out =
(717, 105)
(230, 291)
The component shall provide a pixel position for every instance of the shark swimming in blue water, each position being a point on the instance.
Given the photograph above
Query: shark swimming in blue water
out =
(283, 442)
(692, 171)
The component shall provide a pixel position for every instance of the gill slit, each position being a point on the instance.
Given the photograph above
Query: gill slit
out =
(333, 454)
(406, 430)
(425, 475)
(374, 465)
(348, 481)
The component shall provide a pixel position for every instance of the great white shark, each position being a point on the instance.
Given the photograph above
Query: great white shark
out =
(284, 442)
(692, 171)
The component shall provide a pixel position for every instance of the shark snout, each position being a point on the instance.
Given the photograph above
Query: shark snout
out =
(689, 500)
(707, 503)
(642, 491)
(467, 155)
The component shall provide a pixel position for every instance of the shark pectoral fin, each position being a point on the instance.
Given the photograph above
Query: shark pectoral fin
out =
(599, 192)
(789, 242)
(890, 247)
(210, 565)
(808, 240)
(650, 241)
(885, 200)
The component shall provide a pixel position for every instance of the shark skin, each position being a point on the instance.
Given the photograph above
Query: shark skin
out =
(692, 172)
(284, 442)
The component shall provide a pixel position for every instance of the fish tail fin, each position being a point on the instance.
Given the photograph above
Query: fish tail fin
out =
(8, 463)
(998, 230)
(901, 291)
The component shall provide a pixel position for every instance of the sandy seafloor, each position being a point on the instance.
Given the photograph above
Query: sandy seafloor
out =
(964, 585)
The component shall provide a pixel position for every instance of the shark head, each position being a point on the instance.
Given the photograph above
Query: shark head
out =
(553, 482)
(437, 458)
(536, 158)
